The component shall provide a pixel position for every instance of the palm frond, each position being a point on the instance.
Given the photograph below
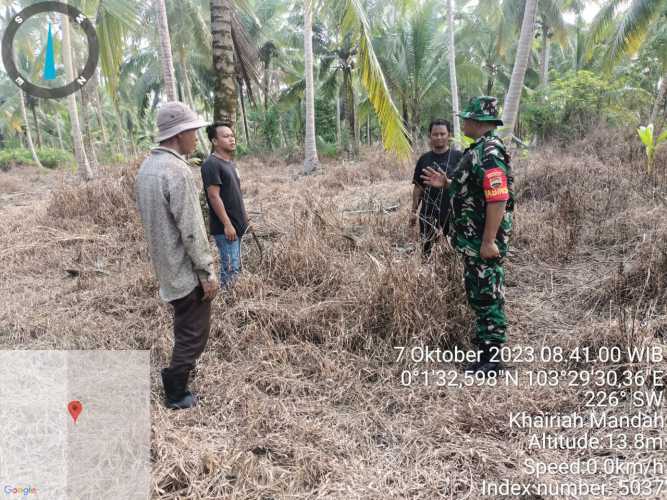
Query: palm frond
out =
(114, 19)
(293, 94)
(247, 56)
(633, 29)
(603, 20)
(394, 135)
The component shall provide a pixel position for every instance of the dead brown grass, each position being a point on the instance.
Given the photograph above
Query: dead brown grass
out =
(301, 391)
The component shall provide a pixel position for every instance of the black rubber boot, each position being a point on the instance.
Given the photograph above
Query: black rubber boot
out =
(176, 395)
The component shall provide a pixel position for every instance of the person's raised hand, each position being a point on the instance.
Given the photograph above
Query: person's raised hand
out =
(434, 178)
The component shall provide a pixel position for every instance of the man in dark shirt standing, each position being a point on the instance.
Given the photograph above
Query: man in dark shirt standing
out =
(227, 215)
(434, 202)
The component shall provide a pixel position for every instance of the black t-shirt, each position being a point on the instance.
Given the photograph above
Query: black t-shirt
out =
(435, 202)
(223, 173)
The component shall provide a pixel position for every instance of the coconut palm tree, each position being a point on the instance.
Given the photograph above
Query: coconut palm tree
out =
(453, 84)
(410, 53)
(268, 30)
(225, 96)
(628, 34)
(85, 172)
(166, 55)
(337, 59)
(31, 145)
(235, 56)
(511, 105)
(552, 25)
(311, 161)
(394, 136)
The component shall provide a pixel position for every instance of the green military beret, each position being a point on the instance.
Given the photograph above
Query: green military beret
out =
(482, 109)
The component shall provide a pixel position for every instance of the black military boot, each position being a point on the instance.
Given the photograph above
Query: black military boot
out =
(176, 395)
(484, 364)
(488, 366)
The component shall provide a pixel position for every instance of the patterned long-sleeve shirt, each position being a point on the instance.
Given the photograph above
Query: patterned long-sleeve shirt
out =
(168, 202)
(483, 176)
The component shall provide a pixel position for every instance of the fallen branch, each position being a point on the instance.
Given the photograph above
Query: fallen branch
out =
(386, 210)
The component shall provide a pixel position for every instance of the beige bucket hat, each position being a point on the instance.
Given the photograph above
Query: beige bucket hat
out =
(175, 117)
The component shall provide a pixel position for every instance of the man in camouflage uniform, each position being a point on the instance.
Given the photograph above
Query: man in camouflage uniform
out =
(482, 202)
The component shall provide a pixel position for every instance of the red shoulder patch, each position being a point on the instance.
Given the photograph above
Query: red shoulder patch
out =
(495, 185)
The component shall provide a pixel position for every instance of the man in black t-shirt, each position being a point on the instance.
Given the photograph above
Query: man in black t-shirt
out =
(227, 216)
(431, 204)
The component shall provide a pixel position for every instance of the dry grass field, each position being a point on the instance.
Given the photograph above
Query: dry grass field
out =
(301, 391)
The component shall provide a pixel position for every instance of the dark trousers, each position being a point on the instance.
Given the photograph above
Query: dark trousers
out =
(192, 323)
(428, 233)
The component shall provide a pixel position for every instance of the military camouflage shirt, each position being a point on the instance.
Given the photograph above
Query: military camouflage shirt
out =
(483, 176)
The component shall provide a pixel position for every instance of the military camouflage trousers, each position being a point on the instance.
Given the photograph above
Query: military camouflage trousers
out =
(485, 289)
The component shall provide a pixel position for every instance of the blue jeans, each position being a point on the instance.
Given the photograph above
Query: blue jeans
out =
(230, 259)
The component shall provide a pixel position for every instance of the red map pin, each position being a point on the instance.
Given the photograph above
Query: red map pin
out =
(75, 408)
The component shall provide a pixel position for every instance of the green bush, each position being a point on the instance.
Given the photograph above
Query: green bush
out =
(50, 158)
(326, 149)
(111, 158)
(13, 157)
(241, 150)
(576, 104)
(325, 119)
(54, 158)
(269, 127)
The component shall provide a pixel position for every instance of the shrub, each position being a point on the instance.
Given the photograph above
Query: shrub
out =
(326, 149)
(53, 158)
(12, 157)
(576, 104)
(50, 158)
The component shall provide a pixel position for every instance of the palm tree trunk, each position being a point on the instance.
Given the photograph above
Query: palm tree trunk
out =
(224, 99)
(545, 55)
(416, 118)
(659, 105)
(85, 172)
(338, 138)
(520, 66)
(283, 136)
(31, 145)
(60, 134)
(490, 82)
(406, 117)
(311, 161)
(88, 142)
(37, 132)
(452, 69)
(267, 79)
(98, 106)
(165, 52)
(121, 130)
(368, 128)
(348, 91)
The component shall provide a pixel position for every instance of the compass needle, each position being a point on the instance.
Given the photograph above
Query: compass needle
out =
(50, 63)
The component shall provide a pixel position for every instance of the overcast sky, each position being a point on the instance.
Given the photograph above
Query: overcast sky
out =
(589, 12)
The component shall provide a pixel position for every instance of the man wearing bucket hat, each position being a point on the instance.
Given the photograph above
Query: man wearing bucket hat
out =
(168, 203)
(482, 203)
